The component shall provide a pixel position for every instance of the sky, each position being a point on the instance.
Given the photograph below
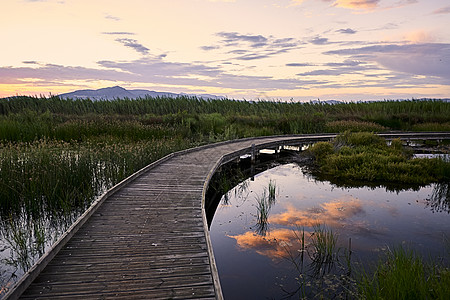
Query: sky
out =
(297, 50)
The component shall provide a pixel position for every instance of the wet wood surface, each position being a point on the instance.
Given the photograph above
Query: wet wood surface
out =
(148, 240)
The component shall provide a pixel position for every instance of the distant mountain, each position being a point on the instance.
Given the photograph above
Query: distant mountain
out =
(115, 92)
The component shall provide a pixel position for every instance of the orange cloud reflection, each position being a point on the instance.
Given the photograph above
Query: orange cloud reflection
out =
(280, 242)
(275, 244)
(330, 213)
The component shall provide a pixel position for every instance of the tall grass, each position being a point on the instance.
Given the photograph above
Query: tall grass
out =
(404, 275)
(230, 118)
(264, 203)
(56, 177)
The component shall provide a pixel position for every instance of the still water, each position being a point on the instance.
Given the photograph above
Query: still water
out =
(261, 260)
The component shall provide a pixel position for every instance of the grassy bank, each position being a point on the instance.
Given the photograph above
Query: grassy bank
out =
(366, 157)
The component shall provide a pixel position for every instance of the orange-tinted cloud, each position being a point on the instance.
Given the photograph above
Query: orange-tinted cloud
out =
(280, 242)
(357, 4)
(420, 36)
(275, 244)
(330, 213)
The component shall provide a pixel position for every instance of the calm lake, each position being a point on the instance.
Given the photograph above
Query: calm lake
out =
(263, 260)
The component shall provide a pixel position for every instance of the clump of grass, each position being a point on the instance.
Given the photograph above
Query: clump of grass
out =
(262, 217)
(264, 204)
(328, 274)
(404, 275)
(324, 242)
(272, 188)
(365, 157)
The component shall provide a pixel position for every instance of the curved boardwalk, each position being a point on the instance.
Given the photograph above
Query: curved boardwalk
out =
(147, 238)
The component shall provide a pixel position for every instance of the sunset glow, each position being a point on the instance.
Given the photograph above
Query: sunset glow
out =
(242, 49)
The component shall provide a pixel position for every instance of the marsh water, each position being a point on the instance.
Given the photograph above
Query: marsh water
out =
(269, 252)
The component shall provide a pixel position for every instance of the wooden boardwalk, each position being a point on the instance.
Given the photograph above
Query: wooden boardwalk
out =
(147, 238)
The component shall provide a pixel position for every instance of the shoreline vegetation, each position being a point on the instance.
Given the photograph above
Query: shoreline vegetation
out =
(57, 155)
(366, 158)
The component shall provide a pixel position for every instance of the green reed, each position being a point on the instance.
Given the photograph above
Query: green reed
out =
(219, 119)
(263, 207)
(403, 274)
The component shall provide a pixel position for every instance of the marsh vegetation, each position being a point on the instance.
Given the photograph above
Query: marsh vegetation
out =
(58, 155)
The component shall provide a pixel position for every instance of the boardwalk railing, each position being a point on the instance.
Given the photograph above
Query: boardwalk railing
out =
(228, 151)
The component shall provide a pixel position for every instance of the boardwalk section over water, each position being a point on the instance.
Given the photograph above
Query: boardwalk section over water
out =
(147, 238)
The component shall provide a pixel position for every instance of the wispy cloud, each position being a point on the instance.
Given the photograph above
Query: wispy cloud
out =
(428, 59)
(357, 4)
(342, 68)
(253, 47)
(318, 40)
(233, 38)
(110, 17)
(443, 10)
(346, 31)
(299, 65)
(134, 44)
(118, 33)
(152, 71)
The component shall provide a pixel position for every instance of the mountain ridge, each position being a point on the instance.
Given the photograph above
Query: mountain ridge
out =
(115, 92)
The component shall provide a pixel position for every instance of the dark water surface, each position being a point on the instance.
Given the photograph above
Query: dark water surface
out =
(256, 261)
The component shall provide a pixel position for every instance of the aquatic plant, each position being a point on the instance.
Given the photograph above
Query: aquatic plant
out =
(272, 192)
(404, 275)
(262, 217)
(366, 157)
(324, 251)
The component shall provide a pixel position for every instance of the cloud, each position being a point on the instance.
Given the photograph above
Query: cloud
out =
(369, 4)
(151, 70)
(357, 4)
(428, 59)
(319, 40)
(253, 47)
(110, 17)
(209, 48)
(273, 245)
(443, 10)
(296, 2)
(231, 38)
(118, 33)
(132, 43)
(346, 31)
(299, 65)
(335, 213)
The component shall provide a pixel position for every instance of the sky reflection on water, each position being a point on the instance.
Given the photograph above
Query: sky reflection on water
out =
(253, 266)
